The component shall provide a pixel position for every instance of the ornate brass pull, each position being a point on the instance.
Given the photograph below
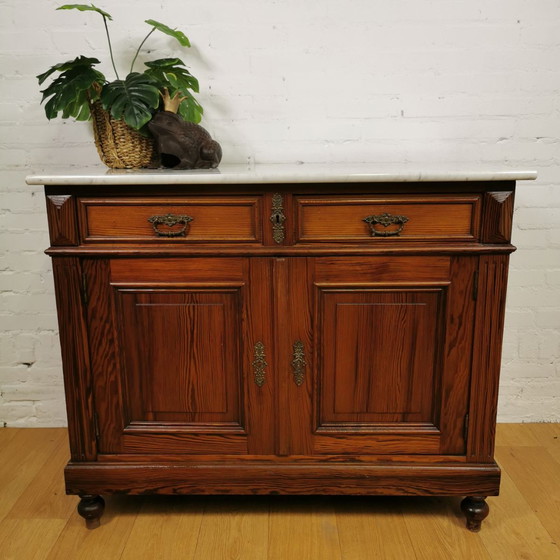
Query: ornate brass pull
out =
(277, 218)
(299, 363)
(259, 364)
(385, 220)
(170, 220)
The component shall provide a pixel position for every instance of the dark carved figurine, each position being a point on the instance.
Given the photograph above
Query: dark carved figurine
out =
(182, 144)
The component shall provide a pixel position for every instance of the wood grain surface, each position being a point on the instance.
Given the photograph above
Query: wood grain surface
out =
(214, 219)
(341, 218)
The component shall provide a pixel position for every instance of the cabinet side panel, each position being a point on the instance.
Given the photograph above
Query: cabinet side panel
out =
(457, 357)
(487, 353)
(75, 358)
(105, 359)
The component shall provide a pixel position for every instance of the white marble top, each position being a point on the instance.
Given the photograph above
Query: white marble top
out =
(280, 173)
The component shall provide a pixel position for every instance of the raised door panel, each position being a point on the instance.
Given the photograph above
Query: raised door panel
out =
(172, 369)
(175, 343)
(383, 362)
(392, 339)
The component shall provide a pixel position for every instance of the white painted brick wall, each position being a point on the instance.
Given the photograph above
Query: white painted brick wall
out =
(314, 81)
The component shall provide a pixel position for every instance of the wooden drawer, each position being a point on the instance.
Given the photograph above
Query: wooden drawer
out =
(350, 219)
(198, 219)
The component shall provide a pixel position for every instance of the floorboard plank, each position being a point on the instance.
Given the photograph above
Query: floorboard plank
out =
(166, 527)
(107, 541)
(45, 496)
(6, 434)
(23, 458)
(233, 527)
(537, 476)
(28, 539)
(547, 435)
(512, 531)
(303, 527)
(515, 435)
(372, 528)
(437, 528)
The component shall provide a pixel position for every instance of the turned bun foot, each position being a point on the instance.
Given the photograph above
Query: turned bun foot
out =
(91, 508)
(476, 510)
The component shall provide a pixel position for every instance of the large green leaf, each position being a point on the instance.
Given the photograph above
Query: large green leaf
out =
(190, 109)
(69, 94)
(79, 108)
(85, 8)
(72, 90)
(172, 74)
(175, 33)
(63, 66)
(131, 99)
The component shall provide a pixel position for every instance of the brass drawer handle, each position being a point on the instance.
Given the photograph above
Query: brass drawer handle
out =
(385, 220)
(170, 220)
(299, 363)
(259, 364)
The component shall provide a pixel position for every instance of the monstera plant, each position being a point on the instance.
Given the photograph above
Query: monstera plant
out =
(165, 83)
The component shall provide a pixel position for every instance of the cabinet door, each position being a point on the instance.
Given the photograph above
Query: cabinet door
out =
(172, 349)
(386, 361)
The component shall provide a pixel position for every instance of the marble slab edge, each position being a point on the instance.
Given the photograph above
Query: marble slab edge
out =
(270, 174)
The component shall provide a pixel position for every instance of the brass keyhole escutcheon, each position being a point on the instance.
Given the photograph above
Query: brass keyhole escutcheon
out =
(259, 364)
(277, 218)
(298, 363)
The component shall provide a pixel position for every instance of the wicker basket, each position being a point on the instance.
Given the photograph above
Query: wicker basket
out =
(118, 145)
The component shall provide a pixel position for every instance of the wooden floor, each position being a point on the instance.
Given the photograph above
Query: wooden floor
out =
(38, 521)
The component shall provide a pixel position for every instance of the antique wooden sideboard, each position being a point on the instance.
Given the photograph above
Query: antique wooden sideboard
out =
(281, 330)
